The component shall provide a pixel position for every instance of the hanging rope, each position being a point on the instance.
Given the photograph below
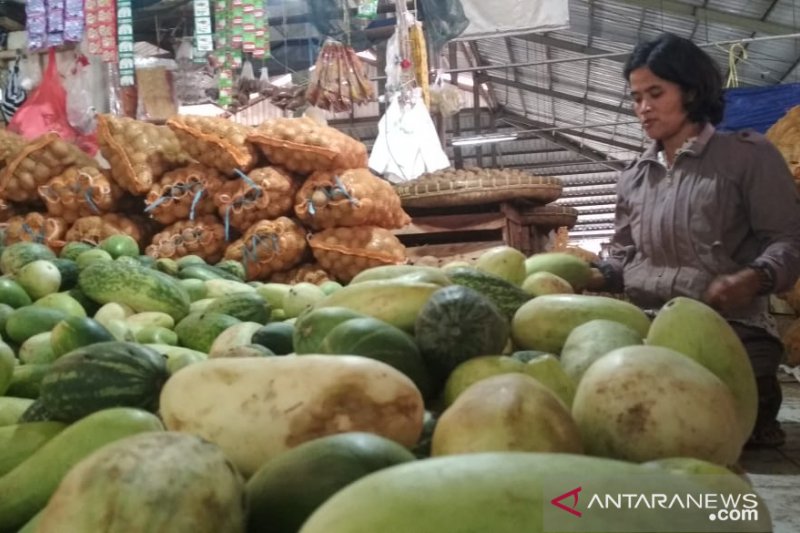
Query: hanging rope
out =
(736, 53)
(346, 22)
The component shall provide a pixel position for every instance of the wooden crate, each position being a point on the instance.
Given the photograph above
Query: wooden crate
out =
(440, 235)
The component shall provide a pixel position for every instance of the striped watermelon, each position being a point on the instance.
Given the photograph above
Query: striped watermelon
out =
(103, 375)
(141, 289)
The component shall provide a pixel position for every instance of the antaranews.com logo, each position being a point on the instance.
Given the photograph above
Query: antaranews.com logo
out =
(698, 504)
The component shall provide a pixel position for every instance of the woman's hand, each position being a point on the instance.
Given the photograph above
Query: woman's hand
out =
(734, 291)
(597, 282)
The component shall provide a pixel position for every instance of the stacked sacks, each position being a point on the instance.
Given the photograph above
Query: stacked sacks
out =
(344, 252)
(213, 188)
(263, 194)
(37, 162)
(308, 273)
(203, 236)
(94, 229)
(10, 145)
(139, 153)
(7, 210)
(80, 192)
(184, 194)
(215, 142)
(353, 211)
(302, 145)
(268, 247)
(35, 227)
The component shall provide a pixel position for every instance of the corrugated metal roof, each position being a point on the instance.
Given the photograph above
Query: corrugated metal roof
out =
(585, 102)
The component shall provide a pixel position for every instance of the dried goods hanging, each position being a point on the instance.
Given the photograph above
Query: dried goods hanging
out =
(339, 82)
(203, 31)
(51, 23)
(127, 67)
(224, 52)
(101, 29)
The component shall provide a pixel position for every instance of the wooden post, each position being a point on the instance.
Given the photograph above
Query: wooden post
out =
(457, 153)
(476, 114)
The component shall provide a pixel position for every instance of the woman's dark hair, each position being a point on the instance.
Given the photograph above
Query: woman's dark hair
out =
(682, 62)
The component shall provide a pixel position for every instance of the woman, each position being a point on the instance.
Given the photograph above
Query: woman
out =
(707, 215)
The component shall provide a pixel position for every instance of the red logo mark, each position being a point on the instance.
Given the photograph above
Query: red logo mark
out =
(574, 494)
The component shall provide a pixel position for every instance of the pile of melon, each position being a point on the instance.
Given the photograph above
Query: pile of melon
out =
(175, 396)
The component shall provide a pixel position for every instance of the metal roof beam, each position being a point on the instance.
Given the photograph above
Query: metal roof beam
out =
(622, 110)
(553, 164)
(604, 140)
(556, 150)
(565, 142)
(539, 171)
(568, 46)
(704, 14)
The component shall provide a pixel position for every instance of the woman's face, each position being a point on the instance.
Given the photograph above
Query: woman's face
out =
(658, 103)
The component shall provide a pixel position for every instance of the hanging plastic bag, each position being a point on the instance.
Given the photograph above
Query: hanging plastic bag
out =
(445, 98)
(80, 111)
(14, 94)
(407, 145)
(444, 20)
(46, 111)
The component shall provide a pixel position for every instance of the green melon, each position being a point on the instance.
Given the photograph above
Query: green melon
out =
(574, 270)
(505, 262)
(276, 336)
(103, 375)
(199, 330)
(375, 339)
(456, 324)
(288, 489)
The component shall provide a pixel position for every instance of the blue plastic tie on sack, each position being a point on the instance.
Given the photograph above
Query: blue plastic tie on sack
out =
(246, 178)
(195, 201)
(228, 222)
(38, 237)
(340, 187)
(88, 196)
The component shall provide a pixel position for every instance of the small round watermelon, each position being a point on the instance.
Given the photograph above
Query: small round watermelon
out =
(456, 324)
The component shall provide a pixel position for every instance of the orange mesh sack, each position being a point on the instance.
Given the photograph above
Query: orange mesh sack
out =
(40, 160)
(263, 194)
(349, 198)
(307, 273)
(216, 142)
(10, 145)
(95, 228)
(344, 252)
(35, 227)
(139, 152)
(137, 226)
(184, 194)
(269, 246)
(304, 146)
(7, 210)
(204, 236)
(80, 192)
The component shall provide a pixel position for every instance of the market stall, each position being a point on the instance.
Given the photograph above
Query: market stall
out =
(336, 266)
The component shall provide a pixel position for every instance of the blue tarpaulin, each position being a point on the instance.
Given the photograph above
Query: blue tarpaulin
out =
(758, 108)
